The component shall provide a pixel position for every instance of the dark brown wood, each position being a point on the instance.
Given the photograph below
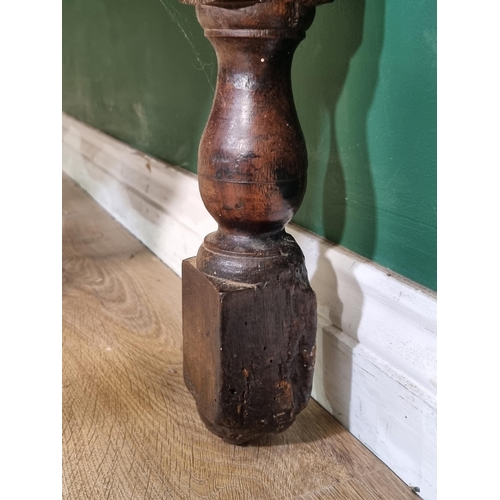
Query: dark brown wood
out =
(249, 313)
(248, 351)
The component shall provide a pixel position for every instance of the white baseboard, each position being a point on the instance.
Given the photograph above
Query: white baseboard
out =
(376, 355)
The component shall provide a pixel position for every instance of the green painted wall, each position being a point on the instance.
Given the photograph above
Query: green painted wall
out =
(365, 90)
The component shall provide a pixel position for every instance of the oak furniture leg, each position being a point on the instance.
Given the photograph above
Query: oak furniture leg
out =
(249, 313)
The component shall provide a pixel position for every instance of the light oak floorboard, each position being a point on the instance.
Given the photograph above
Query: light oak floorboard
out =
(130, 427)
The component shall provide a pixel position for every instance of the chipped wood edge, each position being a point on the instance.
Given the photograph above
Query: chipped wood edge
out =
(376, 356)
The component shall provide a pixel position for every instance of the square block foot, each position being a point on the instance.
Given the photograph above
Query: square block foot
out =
(249, 351)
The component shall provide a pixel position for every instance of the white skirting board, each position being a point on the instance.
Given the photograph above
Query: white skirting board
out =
(376, 343)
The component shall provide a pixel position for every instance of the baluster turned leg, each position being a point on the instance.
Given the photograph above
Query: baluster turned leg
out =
(249, 313)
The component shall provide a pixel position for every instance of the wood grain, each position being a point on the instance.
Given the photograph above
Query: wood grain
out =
(130, 427)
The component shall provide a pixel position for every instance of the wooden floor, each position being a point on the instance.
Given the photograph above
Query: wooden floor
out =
(130, 427)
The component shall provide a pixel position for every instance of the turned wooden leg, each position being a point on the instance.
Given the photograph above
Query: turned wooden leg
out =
(249, 313)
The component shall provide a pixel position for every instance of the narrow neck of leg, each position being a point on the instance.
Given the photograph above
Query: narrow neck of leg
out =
(255, 64)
